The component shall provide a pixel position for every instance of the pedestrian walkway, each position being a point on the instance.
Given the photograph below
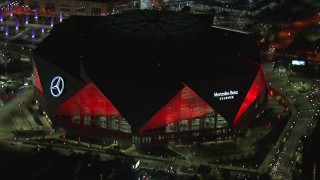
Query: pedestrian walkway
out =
(177, 152)
(20, 121)
(41, 118)
(29, 119)
(130, 149)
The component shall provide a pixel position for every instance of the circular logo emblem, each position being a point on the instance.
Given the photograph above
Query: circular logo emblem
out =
(56, 86)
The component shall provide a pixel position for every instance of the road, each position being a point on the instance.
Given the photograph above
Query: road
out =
(282, 157)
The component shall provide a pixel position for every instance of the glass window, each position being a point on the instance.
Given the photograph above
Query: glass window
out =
(34, 5)
(65, 9)
(209, 122)
(88, 120)
(196, 124)
(172, 127)
(221, 122)
(101, 121)
(113, 122)
(184, 125)
(81, 10)
(76, 119)
(49, 7)
(124, 125)
(95, 12)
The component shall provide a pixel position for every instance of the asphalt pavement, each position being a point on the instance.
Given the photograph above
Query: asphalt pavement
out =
(281, 158)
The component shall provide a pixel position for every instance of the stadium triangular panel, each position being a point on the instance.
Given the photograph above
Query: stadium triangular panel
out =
(88, 101)
(257, 88)
(185, 105)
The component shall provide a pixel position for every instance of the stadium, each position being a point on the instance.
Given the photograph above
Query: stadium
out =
(148, 78)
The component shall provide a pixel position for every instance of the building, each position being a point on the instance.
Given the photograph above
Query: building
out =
(149, 76)
(67, 7)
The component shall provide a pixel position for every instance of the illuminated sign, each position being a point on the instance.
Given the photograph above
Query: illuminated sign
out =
(56, 86)
(298, 62)
(226, 95)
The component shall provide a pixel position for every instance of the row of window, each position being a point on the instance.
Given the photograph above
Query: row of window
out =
(108, 122)
(148, 139)
(66, 9)
(119, 123)
(211, 122)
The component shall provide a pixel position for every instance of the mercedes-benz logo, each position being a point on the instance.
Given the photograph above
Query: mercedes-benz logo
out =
(57, 86)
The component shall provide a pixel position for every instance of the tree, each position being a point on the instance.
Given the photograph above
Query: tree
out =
(278, 1)
(194, 177)
(186, 9)
(212, 11)
(317, 44)
(265, 176)
(225, 173)
(225, 14)
(204, 170)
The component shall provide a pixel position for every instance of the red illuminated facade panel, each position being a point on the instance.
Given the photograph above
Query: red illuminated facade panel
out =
(37, 82)
(257, 89)
(38, 91)
(184, 106)
(91, 108)
(89, 101)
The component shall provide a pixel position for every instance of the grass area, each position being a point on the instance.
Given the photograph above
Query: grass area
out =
(264, 144)
(262, 147)
(252, 161)
(232, 154)
(276, 131)
(230, 149)
(262, 120)
(89, 140)
(161, 151)
(215, 150)
(30, 133)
